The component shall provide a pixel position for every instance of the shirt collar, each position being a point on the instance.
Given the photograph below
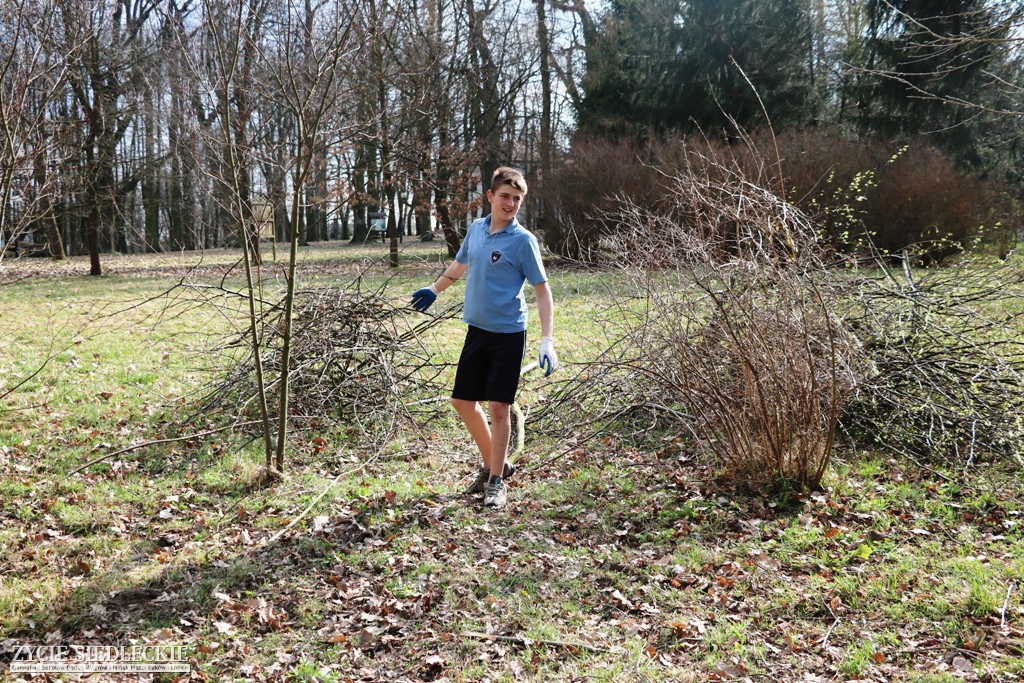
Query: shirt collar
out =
(511, 227)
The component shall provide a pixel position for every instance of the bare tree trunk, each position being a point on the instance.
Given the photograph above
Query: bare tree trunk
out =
(392, 221)
(150, 184)
(545, 114)
(273, 166)
(364, 190)
(46, 219)
(176, 195)
(309, 100)
(289, 303)
(421, 189)
(486, 96)
(567, 73)
(386, 152)
(105, 79)
(316, 197)
(92, 240)
(444, 214)
(241, 35)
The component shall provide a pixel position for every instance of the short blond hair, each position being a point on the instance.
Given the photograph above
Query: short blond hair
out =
(506, 175)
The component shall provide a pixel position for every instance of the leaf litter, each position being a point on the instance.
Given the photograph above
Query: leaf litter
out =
(598, 560)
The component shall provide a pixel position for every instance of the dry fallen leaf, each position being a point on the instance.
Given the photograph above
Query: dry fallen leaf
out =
(621, 600)
(962, 664)
(364, 639)
(730, 669)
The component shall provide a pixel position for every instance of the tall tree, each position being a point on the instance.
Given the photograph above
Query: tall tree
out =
(485, 94)
(181, 156)
(314, 44)
(544, 43)
(31, 79)
(231, 35)
(151, 131)
(683, 64)
(105, 77)
(294, 56)
(936, 67)
(447, 88)
(581, 47)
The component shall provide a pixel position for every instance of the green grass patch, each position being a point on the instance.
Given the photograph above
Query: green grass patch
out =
(612, 562)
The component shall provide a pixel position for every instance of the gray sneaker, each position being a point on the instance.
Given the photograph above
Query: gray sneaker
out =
(495, 493)
(480, 483)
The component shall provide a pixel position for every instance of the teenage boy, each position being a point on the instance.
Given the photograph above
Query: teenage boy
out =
(499, 255)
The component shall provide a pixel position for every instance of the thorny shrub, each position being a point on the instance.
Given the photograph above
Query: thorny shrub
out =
(894, 196)
(745, 351)
(864, 195)
(584, 189)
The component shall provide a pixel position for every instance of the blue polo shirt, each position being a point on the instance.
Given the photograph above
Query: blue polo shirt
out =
(499, 264)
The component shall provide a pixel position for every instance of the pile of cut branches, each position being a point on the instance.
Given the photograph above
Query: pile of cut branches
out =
(948, 361)
(355, 360)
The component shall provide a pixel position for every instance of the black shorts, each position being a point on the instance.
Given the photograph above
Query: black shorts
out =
(489, 366)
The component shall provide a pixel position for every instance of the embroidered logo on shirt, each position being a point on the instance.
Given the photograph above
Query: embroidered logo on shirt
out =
(495, 256)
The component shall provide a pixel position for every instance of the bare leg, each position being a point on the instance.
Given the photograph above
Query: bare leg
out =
(501, 430)
(472, 414)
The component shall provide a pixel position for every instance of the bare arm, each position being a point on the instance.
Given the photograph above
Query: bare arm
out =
(545, 308)
(452, 273)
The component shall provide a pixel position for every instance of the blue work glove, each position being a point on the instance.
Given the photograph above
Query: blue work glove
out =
(547, 359)
(422, 298)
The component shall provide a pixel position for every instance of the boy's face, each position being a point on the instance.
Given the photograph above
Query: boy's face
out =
(505, 202)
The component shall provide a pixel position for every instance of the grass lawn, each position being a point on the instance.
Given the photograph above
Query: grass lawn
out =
(613, 561)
